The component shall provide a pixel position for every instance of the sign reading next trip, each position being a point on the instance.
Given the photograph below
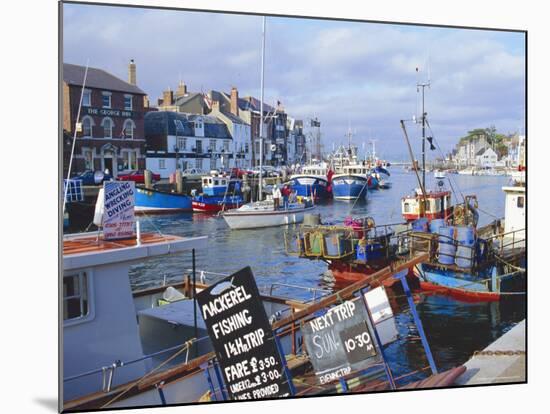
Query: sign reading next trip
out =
(242, 338)
(118, 213)
(340, 341)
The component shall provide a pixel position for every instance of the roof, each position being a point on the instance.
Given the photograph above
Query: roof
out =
(180, 100)
(249, 103)
(97, 78)
(163, 123)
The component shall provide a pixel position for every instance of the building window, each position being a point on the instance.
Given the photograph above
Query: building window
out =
(162, 164)
(75, 296)
(128, 129)
(182, 144)
(87, 98)
(88, 155)
(226, 146)
(106, 102)
(107, 125)
(198, 163)
(199, 147)
(521, 202)
(128, 102)
(87, 124)
(212, 163)
(212, 145)
(246, 148)
(129, 160)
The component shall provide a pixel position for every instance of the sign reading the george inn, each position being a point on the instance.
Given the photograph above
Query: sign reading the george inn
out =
(112, 112)
(242, 338)
(341, 341)
(118, 210)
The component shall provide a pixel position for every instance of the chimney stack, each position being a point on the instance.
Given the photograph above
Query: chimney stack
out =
(215, 106)
(132, 72)
(182, 89)
(234, 101)
(168, 97)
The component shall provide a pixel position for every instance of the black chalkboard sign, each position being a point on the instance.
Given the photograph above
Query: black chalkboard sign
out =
(341, 341)
(242, 338)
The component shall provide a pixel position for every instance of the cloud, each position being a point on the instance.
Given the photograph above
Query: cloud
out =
(348, 74)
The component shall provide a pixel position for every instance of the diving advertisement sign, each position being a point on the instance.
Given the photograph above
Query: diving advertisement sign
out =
(118, 210)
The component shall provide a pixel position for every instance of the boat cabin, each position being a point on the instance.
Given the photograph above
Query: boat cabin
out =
(514, 213)
(357, 169)
(99, 311)
(214, 185)
(315, 170)
(436, 204)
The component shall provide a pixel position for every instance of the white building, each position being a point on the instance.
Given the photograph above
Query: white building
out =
(486, 158)
(189, 140)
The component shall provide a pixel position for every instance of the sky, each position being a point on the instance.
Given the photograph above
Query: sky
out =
(353, 76)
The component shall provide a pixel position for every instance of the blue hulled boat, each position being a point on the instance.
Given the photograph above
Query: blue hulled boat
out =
(382, 176)
(352, 184)
(312, 182)
(156, 201)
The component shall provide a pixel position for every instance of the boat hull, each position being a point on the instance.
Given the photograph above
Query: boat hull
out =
(154, 201)
(257, 219)
(349, 187)
(215, 204)
(310, 186)
(464, 286)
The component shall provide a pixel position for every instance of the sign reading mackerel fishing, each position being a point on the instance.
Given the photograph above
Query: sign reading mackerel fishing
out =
(118, 213)
(241, 334)
(340, 341)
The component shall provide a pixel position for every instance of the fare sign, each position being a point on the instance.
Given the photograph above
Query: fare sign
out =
(340, 341)
(118, 210)
(242, 338)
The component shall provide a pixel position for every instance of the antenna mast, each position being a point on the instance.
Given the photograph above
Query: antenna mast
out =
(423, 86)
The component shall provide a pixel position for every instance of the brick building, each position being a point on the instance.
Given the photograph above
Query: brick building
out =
(111, 134)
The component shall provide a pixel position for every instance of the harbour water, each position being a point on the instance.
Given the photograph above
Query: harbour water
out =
(454, 329)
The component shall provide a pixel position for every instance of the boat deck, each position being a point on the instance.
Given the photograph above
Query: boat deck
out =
(93, 243)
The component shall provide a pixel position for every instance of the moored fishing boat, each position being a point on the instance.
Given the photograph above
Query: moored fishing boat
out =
(313, 181)
(382, 176)
(352, 183)
(480, 264)
(150, 200)
(219, 193)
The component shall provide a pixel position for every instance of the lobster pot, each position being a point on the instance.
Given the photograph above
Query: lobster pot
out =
(435, 224)
(336, 245)
(294, 244)
(465, 237)
(420, 241)
(447, 248)
(420, 224)
(366, 252)
(313, 242)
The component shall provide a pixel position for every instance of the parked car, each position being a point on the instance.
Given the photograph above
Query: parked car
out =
(137, 176)
(90, 177)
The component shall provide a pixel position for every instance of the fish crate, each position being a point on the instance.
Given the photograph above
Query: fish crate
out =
(313, 244)
(337, 245)
(294, 243)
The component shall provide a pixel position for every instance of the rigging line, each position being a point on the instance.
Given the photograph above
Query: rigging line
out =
(442, 155)
(185, 347)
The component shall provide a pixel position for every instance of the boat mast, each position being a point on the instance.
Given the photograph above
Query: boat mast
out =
(262, 110)
(423, 86)
(74, 134)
